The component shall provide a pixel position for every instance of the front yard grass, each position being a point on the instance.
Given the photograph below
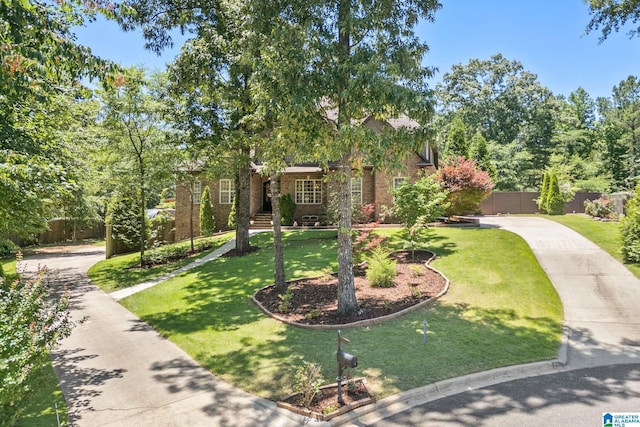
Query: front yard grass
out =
(121, 272)
(501, 310)
(605, 234)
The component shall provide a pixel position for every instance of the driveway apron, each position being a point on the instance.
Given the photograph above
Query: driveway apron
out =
(115, 370)
(601, 298)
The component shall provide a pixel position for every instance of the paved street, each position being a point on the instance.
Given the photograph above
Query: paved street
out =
(571, 398)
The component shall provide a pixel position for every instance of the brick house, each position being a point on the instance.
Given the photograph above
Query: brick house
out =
(310, 186)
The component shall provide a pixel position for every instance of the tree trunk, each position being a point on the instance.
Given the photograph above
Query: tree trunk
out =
(278, 260)
(347, 302)
(242, 209)
(143, 222)
(193, 184)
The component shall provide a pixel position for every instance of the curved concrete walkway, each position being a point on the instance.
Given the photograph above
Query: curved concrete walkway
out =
(115, 370)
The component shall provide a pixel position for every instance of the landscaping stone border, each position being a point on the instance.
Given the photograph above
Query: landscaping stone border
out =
(366, 322)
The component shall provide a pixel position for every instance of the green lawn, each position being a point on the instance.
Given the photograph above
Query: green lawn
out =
(9, 268)
(44, 402)
(121, 271)
(605, 234)
(501, 310)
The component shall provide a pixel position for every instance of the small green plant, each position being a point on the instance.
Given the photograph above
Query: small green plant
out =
(307, 381)
(415, 291)
(387, 305)
(285, 301)
(330, 409)
(381, 269)
(313, 314)
(416, 270)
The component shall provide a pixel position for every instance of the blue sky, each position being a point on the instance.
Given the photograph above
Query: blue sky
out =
(546, 36)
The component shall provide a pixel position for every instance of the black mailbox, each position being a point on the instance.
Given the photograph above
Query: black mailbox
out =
(347, 360)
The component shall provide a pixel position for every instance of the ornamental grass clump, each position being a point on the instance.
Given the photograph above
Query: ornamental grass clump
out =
(381, 270)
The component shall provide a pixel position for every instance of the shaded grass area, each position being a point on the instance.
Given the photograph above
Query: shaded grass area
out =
(9, 269)
(46, 399)
(121, 271)
(501, 310)
(605, 234)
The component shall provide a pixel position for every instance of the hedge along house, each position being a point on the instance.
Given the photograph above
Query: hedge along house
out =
(310, 186)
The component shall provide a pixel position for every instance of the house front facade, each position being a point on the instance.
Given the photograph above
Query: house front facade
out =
(311, 188)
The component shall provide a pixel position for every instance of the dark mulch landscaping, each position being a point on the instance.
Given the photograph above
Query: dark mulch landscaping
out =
(315, 302)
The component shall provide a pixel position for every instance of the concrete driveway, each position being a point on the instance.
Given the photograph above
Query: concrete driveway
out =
(601, 301)
(115, 370)
(601, 297)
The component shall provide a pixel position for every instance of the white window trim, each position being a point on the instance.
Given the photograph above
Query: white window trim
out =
(229, 191)
(357, 200)
(398, 180)
(197, 192)
(316, 196)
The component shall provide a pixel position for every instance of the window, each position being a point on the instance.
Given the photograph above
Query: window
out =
(227, 191)
(309, 191)
(398, 180)
(197, 192)
(356, 191)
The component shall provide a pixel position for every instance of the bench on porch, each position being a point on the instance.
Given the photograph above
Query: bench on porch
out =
(309, 220)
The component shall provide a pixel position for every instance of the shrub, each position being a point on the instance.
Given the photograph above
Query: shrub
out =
(177, 251)
(287, 209)
(466, 184)
(307, 381)
(542, 200)
(7, 247)
(363, 241)
(555, 200)
(363, 214)
(630, 229)
(600, 208)
(381, 270)
(284, 306)
(231, 222)
(124, 216)
(417, 204)
(207, 220)
(32, 322)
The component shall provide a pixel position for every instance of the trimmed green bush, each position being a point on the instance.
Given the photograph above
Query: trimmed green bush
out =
(207, 220)
(231, 221)
(555, 200)
(381, 270)
(542, 200)
(630, 229)
(287, 209)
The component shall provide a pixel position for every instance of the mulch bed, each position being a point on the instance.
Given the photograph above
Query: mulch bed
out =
(325, 406)
(314, 300)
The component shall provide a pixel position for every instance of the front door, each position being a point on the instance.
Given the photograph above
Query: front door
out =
(266, 196)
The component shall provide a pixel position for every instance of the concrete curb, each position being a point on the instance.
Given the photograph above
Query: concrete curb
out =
(398, 403)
